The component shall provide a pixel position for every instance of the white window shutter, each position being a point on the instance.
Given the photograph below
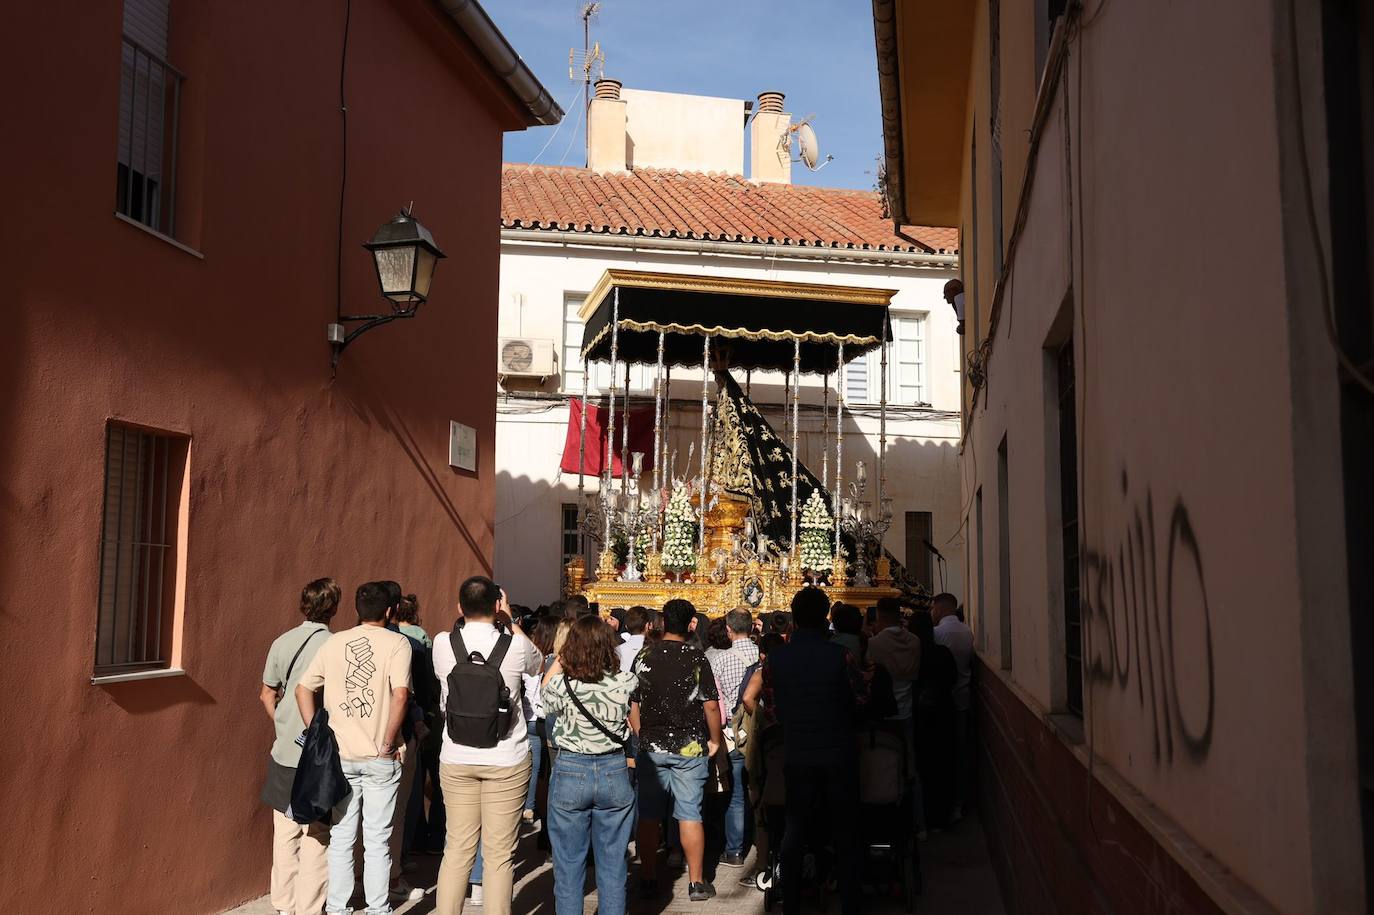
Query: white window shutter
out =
(856, 381)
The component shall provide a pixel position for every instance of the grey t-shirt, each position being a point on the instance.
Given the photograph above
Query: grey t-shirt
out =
(288, 717)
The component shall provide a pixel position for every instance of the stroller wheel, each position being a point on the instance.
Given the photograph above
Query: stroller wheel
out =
(763, 880)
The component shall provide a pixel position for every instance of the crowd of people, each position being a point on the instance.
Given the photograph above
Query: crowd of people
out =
(619, 736)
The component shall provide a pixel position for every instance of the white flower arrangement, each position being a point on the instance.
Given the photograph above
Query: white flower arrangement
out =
(679, 532)
(816, 525)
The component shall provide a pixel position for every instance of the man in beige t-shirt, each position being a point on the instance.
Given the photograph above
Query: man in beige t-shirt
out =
(365, 675)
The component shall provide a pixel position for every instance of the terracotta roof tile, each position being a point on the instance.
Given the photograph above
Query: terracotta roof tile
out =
(714, 206)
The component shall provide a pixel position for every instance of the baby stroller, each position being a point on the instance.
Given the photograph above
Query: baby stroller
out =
(886, 781)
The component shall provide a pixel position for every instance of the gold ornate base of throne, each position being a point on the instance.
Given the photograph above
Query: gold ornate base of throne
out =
(721, 582)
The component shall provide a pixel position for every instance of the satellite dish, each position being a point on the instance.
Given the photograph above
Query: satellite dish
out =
(808, 146)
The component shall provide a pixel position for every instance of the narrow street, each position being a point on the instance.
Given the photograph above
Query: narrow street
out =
(959, 880)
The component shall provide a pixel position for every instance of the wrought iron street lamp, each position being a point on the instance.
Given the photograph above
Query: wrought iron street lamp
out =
(405, 255)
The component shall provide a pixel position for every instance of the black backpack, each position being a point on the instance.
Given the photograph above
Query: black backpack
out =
(480, 706)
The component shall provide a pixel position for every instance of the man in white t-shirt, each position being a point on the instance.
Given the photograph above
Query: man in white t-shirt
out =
(632, 642)
(951, 632)
(484, 788)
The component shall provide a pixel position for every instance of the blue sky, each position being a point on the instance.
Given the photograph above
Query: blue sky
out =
(819, 52)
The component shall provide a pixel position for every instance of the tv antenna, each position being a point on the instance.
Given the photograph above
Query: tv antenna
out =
(808, 146)
(590, 58)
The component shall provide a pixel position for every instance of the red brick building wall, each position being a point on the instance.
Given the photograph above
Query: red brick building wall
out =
(142, 797)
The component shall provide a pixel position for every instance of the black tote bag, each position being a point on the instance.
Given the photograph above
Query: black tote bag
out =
(320, 784)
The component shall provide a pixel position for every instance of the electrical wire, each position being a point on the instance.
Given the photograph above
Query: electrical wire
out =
(552, 136)
(581, 110)
(343, 177)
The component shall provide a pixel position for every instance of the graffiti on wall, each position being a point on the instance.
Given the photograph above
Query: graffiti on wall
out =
(1148, 625)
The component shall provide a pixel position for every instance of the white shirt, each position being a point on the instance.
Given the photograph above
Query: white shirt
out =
(958, 638)
(521, 659)
(530, 703)
(629, 649)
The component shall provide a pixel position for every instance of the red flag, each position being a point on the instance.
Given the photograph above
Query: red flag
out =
(641, 438)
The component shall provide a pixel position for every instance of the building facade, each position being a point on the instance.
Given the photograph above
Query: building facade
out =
(563, 227)
(180, 458)
(1164, 253)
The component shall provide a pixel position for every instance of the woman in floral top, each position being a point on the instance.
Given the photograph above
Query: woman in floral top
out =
(591, 800)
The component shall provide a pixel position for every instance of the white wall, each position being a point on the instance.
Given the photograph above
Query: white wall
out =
(922, 459)
(693, 133)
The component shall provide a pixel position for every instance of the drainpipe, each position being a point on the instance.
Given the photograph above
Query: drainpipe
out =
(474, 22)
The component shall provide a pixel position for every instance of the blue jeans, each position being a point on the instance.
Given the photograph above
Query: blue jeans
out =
(668, 775)
(373, 784)
(535, 748)
(739, 804)
(591, 805)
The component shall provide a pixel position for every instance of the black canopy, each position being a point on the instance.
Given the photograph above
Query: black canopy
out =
(758, 320)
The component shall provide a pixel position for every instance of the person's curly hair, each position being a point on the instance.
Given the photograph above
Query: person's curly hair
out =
(320, 600)
(408, 611)
(590, 651)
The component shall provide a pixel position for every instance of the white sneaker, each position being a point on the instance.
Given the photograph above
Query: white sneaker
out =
(403, 892)
(476, 894)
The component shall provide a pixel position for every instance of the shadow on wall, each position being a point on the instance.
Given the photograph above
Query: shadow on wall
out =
(372, 408)
(136, 698)
(528, 535)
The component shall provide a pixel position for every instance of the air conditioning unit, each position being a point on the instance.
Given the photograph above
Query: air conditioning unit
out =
(523, 357)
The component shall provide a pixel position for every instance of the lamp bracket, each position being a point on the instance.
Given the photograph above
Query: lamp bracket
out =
(365, 323)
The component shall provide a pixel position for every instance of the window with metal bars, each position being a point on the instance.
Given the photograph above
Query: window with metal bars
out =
(1068, 513)
(149, 111)
(138, 562)
(572, 537)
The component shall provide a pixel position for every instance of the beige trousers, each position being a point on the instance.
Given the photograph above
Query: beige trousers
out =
(300, 871)
(485, 800)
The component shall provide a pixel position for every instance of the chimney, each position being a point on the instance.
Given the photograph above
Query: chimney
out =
(768, 160)
(606, 128)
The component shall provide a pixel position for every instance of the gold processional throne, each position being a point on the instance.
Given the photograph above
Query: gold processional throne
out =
(729, 575)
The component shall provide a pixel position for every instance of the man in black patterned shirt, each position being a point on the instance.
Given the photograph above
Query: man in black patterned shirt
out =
(676, 713)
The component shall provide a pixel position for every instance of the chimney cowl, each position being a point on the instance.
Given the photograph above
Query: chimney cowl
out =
(770, 102)
(608, 88)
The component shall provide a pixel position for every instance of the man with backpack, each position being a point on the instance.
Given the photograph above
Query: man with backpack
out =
(732, 668)
(484, 762)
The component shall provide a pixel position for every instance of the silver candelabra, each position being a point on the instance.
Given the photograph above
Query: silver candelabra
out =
(866, 526)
